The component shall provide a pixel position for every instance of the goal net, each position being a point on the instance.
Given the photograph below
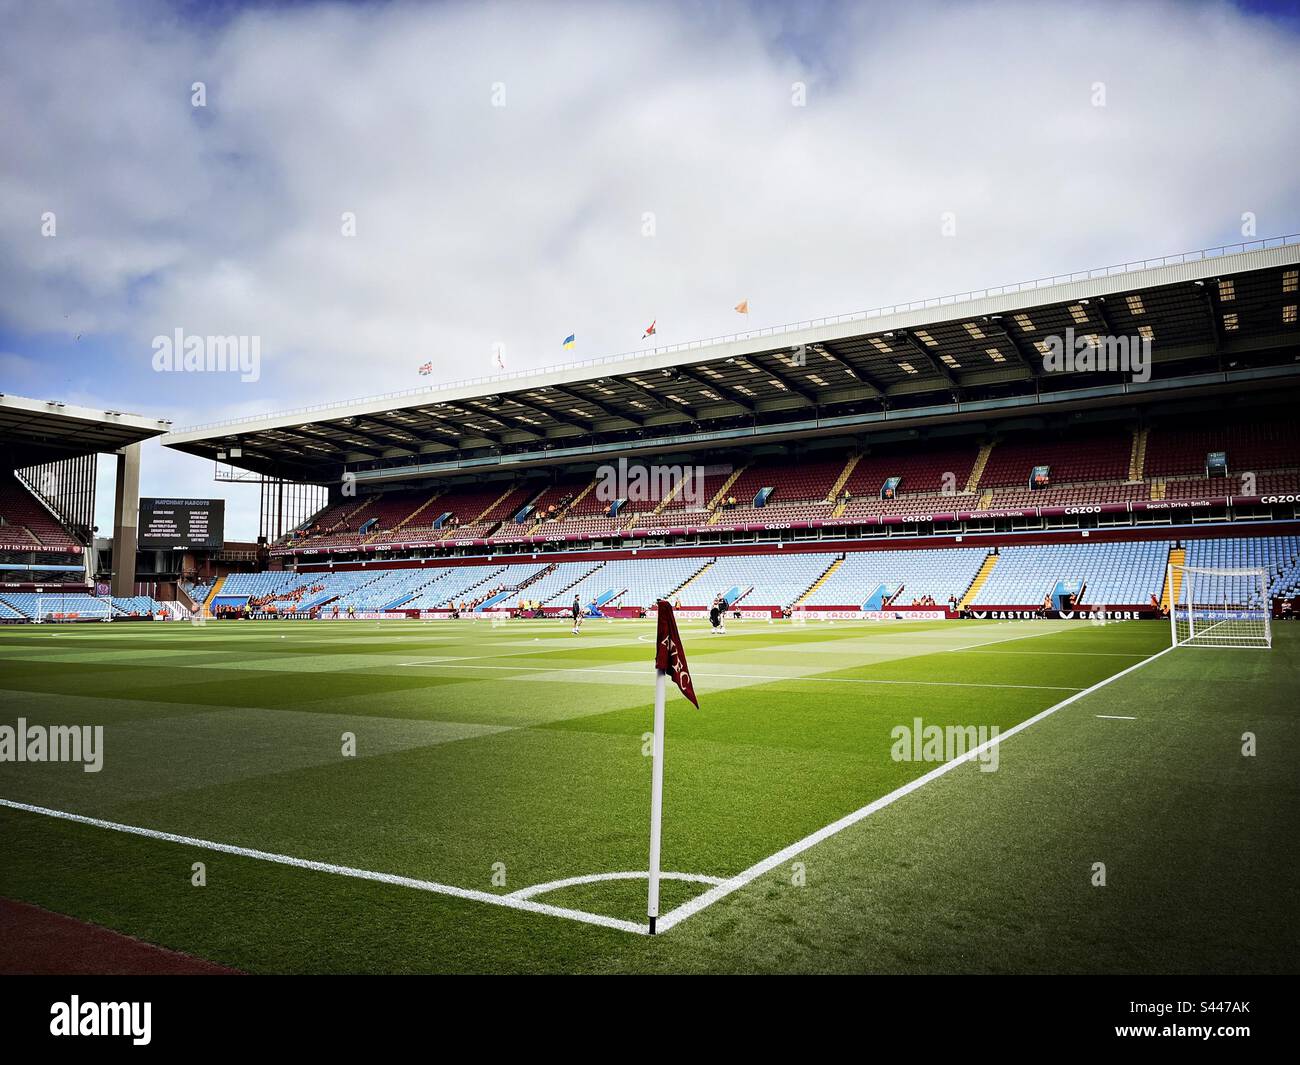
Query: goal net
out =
(60, 608)
(1220, 607)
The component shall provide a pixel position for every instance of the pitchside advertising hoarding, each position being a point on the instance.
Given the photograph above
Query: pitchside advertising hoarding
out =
(194, 524)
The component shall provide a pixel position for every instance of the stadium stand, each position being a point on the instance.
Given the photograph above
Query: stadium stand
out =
(1278, 556)
(798, 492)
(634, 582)
(1067, 495)
(695, 499)
(909, 505)
(1089, 466)
(924, 472)
(1083, 457)
(557, 580)
(1256, 446)
(138, 606)
(392, 509)
(1112, 574)
(459, 585)
(757, 580)
(197, 590)
(1205, 487)
(24, 519)
(905, 577)
(1116, 574)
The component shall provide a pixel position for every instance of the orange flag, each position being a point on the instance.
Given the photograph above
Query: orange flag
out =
(742, 307)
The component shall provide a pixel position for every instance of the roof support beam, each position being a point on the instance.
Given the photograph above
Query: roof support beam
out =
(608, 411)
(1212, 313)
(323, 441)
(564, 417)
(383, 430)
(382, 444)
(1029, 357)
(859, 375)
(663, 401)
(790, 383)
(729, 395)
(515, 424)
(1100, 304)
(938, 367)
(456, 432)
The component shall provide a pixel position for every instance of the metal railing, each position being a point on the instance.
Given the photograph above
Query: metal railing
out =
(779, 330)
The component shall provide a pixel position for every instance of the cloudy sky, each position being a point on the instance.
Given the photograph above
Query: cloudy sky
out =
(367, 187)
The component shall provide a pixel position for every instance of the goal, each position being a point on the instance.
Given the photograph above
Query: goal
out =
(61, 608)
(1220, 607)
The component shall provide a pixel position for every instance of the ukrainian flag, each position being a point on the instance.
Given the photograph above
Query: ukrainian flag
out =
(570, 340)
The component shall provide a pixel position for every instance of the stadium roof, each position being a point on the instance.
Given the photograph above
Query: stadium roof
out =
(1216, 319)
(44, 430)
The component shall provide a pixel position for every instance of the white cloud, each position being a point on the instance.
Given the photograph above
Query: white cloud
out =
(523, 224)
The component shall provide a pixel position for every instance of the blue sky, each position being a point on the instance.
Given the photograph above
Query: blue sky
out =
(517, 173)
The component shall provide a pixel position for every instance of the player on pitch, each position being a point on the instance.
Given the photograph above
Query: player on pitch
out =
(716, 618)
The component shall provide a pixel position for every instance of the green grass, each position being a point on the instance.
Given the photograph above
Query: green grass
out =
(522, 746)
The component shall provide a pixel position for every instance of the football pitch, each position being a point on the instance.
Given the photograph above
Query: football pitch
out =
(474, 797)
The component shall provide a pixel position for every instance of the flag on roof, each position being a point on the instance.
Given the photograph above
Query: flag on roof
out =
(426, 369)
(570, 340)
(742, 307)
(498, 357)
(650, 330)
(670, 656)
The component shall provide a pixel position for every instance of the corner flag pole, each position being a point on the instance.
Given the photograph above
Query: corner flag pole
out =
(670, 664)
(656, 797)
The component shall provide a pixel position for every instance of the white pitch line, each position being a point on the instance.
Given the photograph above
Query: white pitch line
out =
(1114, 717)
(512, 902)
(735, 883)
(751, 676)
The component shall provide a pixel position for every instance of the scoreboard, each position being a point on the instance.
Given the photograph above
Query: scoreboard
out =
(197, 524)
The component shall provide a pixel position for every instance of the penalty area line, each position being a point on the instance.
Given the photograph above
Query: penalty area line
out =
(512, 902)
(735, 883)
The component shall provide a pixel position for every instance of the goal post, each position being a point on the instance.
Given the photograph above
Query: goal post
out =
(1219, 607)
(66, 607)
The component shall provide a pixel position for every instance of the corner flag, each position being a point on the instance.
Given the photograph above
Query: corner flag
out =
(670, 661)
(669, 655)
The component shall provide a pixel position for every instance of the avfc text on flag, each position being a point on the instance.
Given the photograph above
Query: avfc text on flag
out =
(670, 655)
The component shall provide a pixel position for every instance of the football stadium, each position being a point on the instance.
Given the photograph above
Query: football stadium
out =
(954, 636)
(967, 640)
